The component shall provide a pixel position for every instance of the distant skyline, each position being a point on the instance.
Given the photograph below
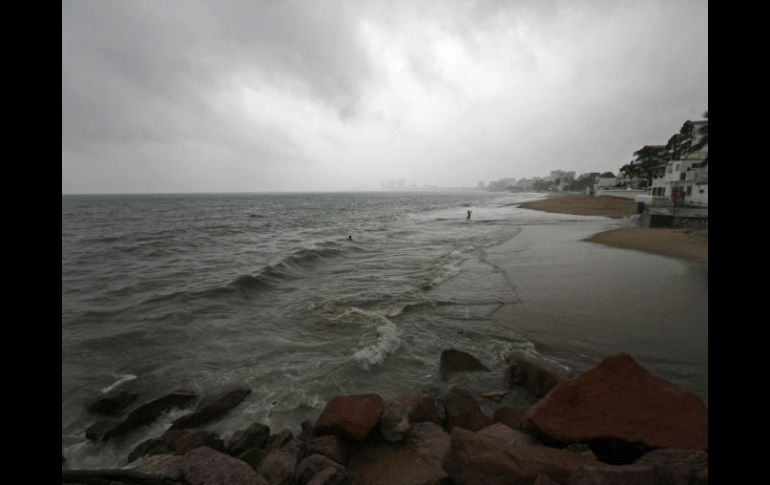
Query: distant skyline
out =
(262, 96)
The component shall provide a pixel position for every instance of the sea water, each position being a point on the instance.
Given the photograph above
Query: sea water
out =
(299, 297)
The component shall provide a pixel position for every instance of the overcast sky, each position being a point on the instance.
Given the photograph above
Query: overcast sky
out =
(220, 96)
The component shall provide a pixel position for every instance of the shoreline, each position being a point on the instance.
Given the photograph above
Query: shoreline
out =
(654, 432)
(691, 245)
(678, 243)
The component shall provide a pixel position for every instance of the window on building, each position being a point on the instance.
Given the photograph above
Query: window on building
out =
(689, 190)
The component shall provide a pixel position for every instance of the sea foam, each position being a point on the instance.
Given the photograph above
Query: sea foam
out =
(388, 338)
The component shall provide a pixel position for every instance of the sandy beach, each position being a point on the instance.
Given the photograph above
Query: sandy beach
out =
(583, 205)
(680, 243)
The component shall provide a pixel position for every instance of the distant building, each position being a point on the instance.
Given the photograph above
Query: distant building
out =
(480, 185)
(399, 184)
(526, 184)
(502, 184)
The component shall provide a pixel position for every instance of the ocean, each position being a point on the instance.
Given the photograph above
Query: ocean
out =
(302, 297)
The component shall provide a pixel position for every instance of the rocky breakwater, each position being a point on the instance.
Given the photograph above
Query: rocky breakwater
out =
(613, 424)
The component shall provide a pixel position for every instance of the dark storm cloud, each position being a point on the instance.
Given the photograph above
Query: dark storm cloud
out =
(282, 95)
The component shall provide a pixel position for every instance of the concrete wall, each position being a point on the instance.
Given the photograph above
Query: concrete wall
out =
(697, 197)
(626, 194)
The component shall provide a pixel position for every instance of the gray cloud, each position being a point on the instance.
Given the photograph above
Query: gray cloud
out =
(297, 95)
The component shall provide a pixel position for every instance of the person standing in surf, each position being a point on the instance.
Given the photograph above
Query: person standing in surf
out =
(469, 215)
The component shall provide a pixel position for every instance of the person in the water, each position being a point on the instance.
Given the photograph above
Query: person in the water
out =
(350, 237)
(469, 214)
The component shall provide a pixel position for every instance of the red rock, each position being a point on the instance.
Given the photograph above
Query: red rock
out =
(702, 477)
(417, 460)
(675, 466)
(353, 417)
(330, 446)
(312, 465)
(543, 479)
(536, 376)
(178, 441)
(463, 411)
(279, 467)
(279, 440)
(167, 466)
(510, 417)
(204, 466)
(453, 361)
(255, 436)
(474, 458)
(621, 410)
(212, 407)
(330, 476)
(614, 475)
(509, 436)
(411, 407)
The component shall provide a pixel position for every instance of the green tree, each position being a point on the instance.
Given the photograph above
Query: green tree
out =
(648, 159)
(607, 174)
(704, 140)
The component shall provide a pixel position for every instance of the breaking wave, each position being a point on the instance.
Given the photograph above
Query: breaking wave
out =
(388, 337)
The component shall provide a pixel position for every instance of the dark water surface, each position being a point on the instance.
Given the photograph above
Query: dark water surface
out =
(204, 291)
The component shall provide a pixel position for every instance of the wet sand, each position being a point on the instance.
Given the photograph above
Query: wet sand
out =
(583, 205)
(679, 243)
(579, 301)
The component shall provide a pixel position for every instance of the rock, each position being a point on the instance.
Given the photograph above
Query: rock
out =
(453, 361)
(543, 479)
(417, 460)
(675, 466)
(165, 465)
(178, 441)
(149, 412)
(312, 465)
(97, 430)
(212, 407)
(509, 436)
(702, 477)
(279, 440)
(582, 449)
(253, 457)
(510, 417)
(330, 476)
(205, 466)
(152, 446)
(621, 411)
(279, 467)
(537, 377)
(116, 477)
(614, 475)
(307, 432)
(353, 417)
(113, 403)
(255, 436)
(411, 407)
(331, 446)
(475, 458)
(463, 411)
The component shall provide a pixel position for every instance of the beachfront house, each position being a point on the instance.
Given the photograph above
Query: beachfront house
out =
(686, 171)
